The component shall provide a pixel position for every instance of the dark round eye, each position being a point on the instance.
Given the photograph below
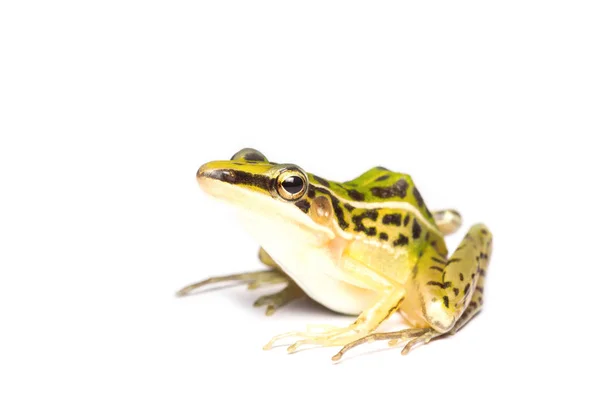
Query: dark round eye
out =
(291, 185)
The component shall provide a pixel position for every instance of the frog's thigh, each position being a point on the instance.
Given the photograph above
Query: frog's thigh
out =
(447, 288)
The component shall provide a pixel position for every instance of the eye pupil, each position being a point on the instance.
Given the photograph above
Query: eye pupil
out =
(293, 184)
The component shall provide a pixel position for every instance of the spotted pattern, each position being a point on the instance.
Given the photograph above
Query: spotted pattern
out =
(392, 219)
(416, 230)
(359, 225)
(356, 195)
(418, 196)
(401, 241)
(398, 189)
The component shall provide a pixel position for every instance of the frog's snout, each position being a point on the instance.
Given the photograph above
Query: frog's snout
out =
(207, 172)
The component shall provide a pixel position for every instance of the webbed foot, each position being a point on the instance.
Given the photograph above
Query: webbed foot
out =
(322, 335)
(414, 336)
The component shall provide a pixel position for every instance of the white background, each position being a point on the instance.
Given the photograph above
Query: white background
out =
(108, 108)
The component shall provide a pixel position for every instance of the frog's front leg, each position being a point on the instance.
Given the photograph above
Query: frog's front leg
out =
(450, 292)
(390, 298)
(255, 280)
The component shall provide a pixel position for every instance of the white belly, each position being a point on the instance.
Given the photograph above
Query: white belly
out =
(312, 263)
(322, 281)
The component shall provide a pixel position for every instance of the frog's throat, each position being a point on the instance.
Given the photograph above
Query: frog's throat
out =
(263, 207)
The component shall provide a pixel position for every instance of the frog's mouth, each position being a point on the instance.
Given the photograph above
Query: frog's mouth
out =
(263, 213)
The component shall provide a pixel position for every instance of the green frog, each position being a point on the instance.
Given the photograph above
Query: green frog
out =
(368, 247)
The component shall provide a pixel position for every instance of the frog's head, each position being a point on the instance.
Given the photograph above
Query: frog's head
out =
(277, 201)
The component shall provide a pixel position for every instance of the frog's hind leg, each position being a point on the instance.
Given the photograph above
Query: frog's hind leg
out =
(255, 280)
(448, 221)
(450, 291)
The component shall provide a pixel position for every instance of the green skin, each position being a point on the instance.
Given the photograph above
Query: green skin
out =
(389, 243)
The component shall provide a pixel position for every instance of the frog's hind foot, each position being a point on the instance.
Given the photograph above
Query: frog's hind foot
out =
(255, 280)
(414, 336)
(322, 335)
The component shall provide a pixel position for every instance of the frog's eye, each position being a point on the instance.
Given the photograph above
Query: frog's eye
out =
(291, 184)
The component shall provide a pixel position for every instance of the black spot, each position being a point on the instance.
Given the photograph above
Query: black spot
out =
(450, 261)
(383, 236)
(304, 205)
(321, 181)
(456, 291)
(371, 214)
(444, 285)
(311, 192)
(428, 212)
(397, 189)
(467, 288)
(479, 289)
(418, 197)
(416, 230)
(348, 207)
(415, 270)
(392, 219)
(438, 260)
(358, 222)
(406, 220)
(382, 178)
(356, 195)
(461, 276)
(446, 301)
(339, 213)
(484, 232)
(401, 241)
(437, 268)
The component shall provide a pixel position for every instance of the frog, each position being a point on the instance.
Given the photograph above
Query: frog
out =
(367, 247)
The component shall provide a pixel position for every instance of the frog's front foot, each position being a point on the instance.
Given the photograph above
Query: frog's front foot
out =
(322, 335)
(277, 300)
(255, 280)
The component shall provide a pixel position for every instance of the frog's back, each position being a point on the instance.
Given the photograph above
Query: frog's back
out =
(382, 208)
(382, 185)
